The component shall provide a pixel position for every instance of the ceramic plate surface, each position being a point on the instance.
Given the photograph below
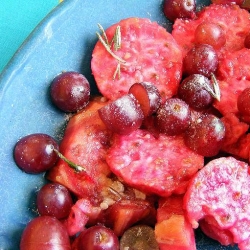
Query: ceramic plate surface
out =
(63, 41)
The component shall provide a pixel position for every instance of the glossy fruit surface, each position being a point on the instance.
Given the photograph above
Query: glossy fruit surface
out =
(55, 200)
(123, 115)
(210, 33)
(238, 2)
(247, 41)
(147, 95)
(243, 102)
(139, 237)
(194, 91)
(173, 116)
(34, 153)
(205, 135)
(201, 59)
(179, 9)
(45, 233)
(70, 91)
(98, 238)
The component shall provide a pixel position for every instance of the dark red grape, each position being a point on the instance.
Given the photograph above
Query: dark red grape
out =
(201, 59)
(179, 9)
(70, 91)
(139, 237)
(147, 95)
(243, 102)
(35, 153)
(205, 135)
(54, 200)
(247, 41)
(239, 2)
(193, 90)
(173, 116)
(210, 33)
(123, 115)
(98, 238)
(45, 233)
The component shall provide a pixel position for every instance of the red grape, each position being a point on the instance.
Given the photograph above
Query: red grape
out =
(247, 41)
(98, 238)
(123, 115)
(239, 2)
(173, 116)
(193, 91)
(70, 91)
(55, 200)
(147, 95)
(243, 102)
(35, 153)
(205, 135)
(201, 59)
(179, 9)
(210, 33)
(45, 233)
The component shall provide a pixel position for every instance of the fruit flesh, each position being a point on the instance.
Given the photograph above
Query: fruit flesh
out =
(151, 55)
(174, 219)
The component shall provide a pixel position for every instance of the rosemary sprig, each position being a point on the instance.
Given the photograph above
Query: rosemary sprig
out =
(215, 91)
(103, 33)
(116, 43)
(117, 71)
(216, 87)
(76, 167)
(109, 50)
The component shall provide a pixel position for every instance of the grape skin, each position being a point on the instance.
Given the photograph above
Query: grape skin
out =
(210, 33)
(193, 92)
(173, 117)
(98, 238)
(201, 59)
(123, 115)
(45, 233)
(205, 135)
(70, 91)
(34, 153)
(55, 200)
(179, 9)
(243, 102)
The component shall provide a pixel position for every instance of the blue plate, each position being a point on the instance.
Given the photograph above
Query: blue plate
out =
(63, 41)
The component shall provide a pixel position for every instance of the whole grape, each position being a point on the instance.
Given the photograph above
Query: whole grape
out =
(201, 59)
(55, 200)
(70, 91)
(210, 33)
(205, 135)
(45, 233)
(193, 90)
(173, 116)
(247, 41)
(239, 2)
(123, 115)
(35, 153)
(243, 102)
(179, 9)
(98, 238)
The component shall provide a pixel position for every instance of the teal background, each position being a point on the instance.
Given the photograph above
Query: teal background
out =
(17, 20)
